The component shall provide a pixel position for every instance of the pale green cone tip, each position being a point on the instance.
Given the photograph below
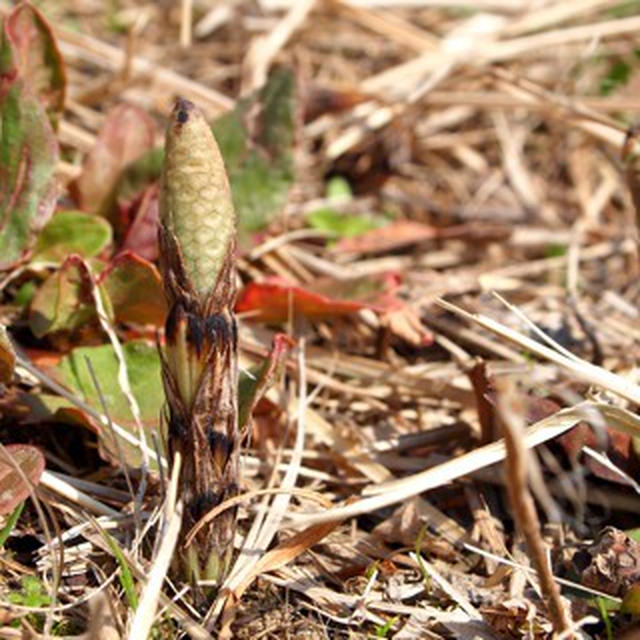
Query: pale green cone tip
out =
(196, 203)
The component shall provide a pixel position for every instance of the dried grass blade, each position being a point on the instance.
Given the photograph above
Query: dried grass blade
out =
(580, 368)
(145, 613)
(400, 490)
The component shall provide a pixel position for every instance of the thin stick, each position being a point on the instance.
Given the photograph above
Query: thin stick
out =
(522, 505)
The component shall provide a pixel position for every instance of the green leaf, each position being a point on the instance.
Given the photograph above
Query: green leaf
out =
(64, 302)
(25, 293)
(625, 9)
(339, 187)
(130, 288)
(32, 594)
(257, 141)
(382, 631)
(72, 232)
(617, 76)
(126, 578)
(28, 157)
(37, 58)
(143, 366)
(339, 224)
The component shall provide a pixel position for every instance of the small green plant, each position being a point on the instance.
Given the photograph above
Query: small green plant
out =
(383, 630)
(604, 614)
(32, 593)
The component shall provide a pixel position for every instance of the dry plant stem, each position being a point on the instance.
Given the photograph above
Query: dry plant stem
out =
(524, 510)
(199, 363)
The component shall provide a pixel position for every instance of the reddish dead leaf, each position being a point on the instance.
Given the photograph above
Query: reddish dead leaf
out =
(539, 408)
(617, 446)
(7, 356)
(134, 288)
(274, 300)
(141, 235)
(21, 466)
(126, 134)
(630, 632)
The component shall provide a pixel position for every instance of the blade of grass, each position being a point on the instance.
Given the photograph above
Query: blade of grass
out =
(5, 532)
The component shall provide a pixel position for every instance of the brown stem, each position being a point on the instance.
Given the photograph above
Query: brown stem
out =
(524, 510)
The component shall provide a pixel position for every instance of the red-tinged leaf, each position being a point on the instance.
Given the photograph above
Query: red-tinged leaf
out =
(28, 157)
(17, 462)
(7, 356)
(37, 58)
(134, 288)
(273, 300)
(64, 301)
(126, 134)
(141, 236)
